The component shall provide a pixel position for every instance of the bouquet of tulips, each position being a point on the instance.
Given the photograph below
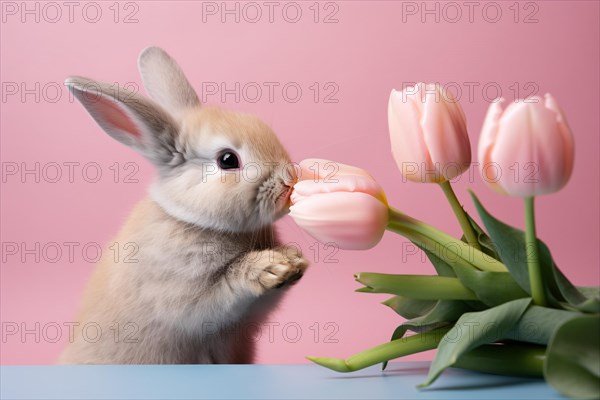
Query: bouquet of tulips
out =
(498, 304)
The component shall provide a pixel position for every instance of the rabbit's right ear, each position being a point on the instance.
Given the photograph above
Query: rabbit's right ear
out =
(130, 118)
(165, 82)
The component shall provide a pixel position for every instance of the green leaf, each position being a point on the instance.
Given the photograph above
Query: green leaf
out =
(445, 269)
(445, 312)
(510, 243)
(423, 287)
(409, 308)
(473, 330)
(441, 266)
(590, 291)
(572, 364)
(566, 290)
(538, 324)
(592, 304)
(487, 246)
(492, 288)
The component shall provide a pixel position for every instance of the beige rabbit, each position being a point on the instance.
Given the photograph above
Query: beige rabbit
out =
(207, 263)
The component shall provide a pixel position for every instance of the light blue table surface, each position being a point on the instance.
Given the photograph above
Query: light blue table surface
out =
(302, 381)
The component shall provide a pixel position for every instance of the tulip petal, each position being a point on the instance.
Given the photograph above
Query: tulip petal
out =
(445, 134)
(344, 183)
(353, 221)
(489, 131)
(532, 149)
(546, 170)
(487, 139)
(567, 137)
(316, 169)
(408, 147)
(513, 149)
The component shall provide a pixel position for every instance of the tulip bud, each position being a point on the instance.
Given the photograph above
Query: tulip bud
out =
(428, 132)
(347, 208)
(527, 149)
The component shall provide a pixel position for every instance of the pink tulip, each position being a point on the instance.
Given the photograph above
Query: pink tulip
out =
(428, 131)
(346, 207)
(528, 149)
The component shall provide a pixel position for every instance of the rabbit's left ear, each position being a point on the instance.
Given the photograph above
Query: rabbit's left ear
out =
(165, 82)
(129, 118)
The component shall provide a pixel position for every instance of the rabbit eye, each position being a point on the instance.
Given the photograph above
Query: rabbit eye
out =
(228, 160)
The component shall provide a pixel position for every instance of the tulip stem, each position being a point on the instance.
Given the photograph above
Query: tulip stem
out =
(461, 215)
(385, 352)
(533, 260)
(422, 287)
(517, 359)
(445, 246)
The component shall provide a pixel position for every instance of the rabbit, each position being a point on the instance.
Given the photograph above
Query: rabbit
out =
(207, 262)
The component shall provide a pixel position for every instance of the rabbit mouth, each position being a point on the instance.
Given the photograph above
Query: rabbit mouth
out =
(273, 198)
(283, 201)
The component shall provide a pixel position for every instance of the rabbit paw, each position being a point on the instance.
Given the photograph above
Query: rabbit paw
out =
(279, 267)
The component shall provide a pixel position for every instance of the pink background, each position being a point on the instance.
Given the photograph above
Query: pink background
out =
(366, 53)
